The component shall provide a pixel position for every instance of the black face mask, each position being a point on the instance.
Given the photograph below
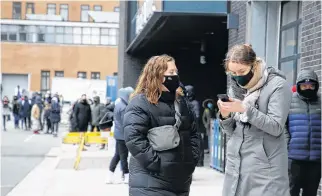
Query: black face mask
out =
(308, 93)
(171, 83)
(244, 80)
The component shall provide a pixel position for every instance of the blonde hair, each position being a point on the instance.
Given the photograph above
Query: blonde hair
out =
(151, 78)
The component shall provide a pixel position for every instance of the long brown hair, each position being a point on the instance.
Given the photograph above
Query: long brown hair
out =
(151, 78)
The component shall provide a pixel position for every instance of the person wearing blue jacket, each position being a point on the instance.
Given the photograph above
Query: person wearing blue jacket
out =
(121, 151)
(304, 129)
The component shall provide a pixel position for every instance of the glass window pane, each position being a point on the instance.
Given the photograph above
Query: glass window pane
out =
(13, 28)
(288, 42)
(59, 38)
(299, 38)
(12, 36)
(87, 31)
(64, 11)
(86, 39)
(112, 31)
(59, 29)
(23, 37)
(4, 28)
(23, 28)
(50, 29)
(68, 30)
(97, 8)
(32, 37)
(104, 40)
(41, 29)
(84, 13)
(50, 38)
(51, 9)
(95, 39)
(41, 37)
(95, 31)
(104, 31)
(32, 29)
(288, 70)
(4, 37)
(77, 30)
(16, 9)
(290, 11)
(112, 40)
(77, 39)
(68, 39)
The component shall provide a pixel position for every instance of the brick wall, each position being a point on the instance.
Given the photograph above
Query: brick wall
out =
(237, 36)
(311, 40)
(311, 37)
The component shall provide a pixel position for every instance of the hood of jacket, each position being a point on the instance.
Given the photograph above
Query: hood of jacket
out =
(124, 93)
(190, 92)
(307, 75)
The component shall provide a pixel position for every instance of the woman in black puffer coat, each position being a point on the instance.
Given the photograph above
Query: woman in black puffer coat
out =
(160, 173)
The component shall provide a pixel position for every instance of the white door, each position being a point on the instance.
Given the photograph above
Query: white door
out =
(11, 81)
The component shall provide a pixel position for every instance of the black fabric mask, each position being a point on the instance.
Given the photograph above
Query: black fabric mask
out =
(244, 80)
(308, 93)
(171, 83)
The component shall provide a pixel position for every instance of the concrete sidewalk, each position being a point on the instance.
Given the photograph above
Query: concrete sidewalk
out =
(55, 176)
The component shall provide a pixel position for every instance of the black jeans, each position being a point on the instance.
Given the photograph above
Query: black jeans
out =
(26, 121)
(304, 175)
(121, 154)
(54, 127)
(48, 124)
(201, 153)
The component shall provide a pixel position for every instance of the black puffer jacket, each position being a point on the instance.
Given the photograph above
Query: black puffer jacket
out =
(153, 173)
(82, 116)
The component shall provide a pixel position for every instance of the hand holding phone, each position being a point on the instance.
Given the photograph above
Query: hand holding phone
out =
(223, 97)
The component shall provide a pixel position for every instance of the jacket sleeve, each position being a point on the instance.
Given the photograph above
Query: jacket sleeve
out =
(136, 125)
(278, 108)
(287, 133)
(75, 114)
(195, 142)
(228, 125)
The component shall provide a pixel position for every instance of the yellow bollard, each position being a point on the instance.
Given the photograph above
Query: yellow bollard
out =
(79, 150)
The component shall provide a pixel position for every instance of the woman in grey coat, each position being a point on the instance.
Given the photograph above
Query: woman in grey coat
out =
(254, 118)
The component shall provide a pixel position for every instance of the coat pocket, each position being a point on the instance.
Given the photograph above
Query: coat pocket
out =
(261, 152)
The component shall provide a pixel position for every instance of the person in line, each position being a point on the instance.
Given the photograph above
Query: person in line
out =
(304, 127)
(72, 121)
(6, 110)
(190, 93)
(107, 113)
(55, 116)
(25, 113)
(121, 151)
(15, 111)
(163, 172)
(82, 115)
(254, 118)
(47, 118)
(35, 118)
(18, 92)
(207, 115)
(97, 110)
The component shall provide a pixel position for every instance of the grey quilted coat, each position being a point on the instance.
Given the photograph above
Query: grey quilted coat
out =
(256, 163)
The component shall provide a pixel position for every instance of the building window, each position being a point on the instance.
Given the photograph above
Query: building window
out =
(84, 13)
(289, 53)
(64, 11)
(59, 73)
(45, 81)
(51, 9)
(98, 8)
(96, 76)
(59, 34)
(81, 74)
(116, 9)
(30, 8)
(16, 10)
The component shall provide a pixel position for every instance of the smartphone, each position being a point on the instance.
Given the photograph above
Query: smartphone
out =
(223, 97)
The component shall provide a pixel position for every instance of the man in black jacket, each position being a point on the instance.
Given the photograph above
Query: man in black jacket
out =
(82, 115)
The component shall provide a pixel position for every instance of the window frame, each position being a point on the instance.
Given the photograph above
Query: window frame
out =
(47, 77)
(292, 25)
(66, 8)
(100, 6)
(81, 13)
(14, 5)
(59, 72)
(32, 7)
(95, 78)
(83, 72)
(49, 4)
